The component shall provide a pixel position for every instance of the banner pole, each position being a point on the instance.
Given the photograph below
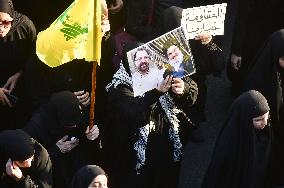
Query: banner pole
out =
(97, 54)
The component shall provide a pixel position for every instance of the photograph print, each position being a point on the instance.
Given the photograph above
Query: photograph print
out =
(151, 63)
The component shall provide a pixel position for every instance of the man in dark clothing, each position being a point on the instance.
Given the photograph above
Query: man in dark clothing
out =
(24, 163)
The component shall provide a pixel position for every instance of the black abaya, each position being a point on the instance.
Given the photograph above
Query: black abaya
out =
(16, 49)
(241, 153)
(266, 76)
(49, 126)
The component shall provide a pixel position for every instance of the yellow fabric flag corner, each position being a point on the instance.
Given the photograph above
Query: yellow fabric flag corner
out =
(73, 35)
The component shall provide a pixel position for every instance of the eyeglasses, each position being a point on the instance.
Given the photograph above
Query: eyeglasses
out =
(6, 24)
(140, 58)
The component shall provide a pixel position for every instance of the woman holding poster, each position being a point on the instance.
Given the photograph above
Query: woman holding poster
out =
(146, 140)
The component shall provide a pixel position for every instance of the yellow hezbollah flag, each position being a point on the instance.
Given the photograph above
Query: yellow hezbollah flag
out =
(71, 35)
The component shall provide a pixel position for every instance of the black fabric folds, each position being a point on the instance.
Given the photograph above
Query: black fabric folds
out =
(65, 107)
(264, 75)
(241, 154)
(49, 125)
(7, 7)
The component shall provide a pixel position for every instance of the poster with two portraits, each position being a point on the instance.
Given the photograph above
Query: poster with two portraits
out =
(170, 54)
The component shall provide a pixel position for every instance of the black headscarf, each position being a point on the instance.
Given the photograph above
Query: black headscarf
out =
(64, 107)
(62, 110)
(7, 7)
(264, 76)
(16, 144)
(84, 177)
(241, 152)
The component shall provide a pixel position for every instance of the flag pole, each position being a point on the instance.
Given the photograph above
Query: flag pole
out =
(93, 95)
(97, 54)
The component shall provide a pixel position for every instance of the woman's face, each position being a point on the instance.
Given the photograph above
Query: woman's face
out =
(261, 121)
(281, 62)
(5, 23)
(99, 182)
(24, 164)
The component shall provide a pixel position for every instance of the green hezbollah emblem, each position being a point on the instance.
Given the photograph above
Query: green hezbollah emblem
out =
(70, 30)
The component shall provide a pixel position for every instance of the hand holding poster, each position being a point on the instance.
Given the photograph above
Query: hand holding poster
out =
(201, 19)
(152, 62)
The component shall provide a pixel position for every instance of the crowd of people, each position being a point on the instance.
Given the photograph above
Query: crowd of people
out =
(139, 133)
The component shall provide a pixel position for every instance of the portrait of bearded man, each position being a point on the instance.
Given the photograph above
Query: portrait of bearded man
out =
(146, 75)
(175, 62)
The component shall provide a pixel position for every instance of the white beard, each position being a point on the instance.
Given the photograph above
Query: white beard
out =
(176, 62)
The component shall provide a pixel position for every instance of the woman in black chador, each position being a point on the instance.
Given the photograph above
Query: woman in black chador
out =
(148, 133)
(60, 128)
(17, 39)
(90, 176)
(267, 76)
(242, 151)
(24, 163)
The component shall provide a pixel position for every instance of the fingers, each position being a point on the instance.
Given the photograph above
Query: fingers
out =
(66, 146)
(177, 90)
(165, 85)
(114, 9)
(69, 145)
(63, 139)
(9, 163)
(83, 97)
(6, 86)
(205, 38)
(9, 167)
(5, 101)
(10, 84)
(87, 130)
(178, 86)
(104, 7)
(105, 26)
(86, 99)
(92, 133)
(3, 97)
(74, 142)
(235, 65)
(169, 81)
(79, 93)
(236, 61)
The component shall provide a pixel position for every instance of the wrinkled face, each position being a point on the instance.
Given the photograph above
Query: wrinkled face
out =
(261, 121)
(5, 23)
(99, 182)
(281, 62)
(142, 61)
(24, 164)
(174, 53)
